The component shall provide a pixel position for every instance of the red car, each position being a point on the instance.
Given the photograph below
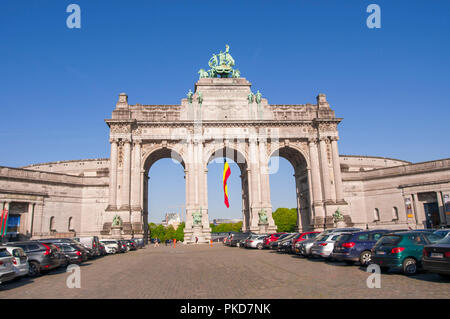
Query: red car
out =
(302, 236)
(271, 238)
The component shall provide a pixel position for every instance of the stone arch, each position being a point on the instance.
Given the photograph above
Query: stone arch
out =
(300, 162)
(153, 155)
(150, 157)
(239, 156)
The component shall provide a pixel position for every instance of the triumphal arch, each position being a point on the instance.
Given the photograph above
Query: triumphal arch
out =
(224, 118)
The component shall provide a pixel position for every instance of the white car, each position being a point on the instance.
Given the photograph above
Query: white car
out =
(6, 266)
(255, 241)
(111, 245)
(20, 260)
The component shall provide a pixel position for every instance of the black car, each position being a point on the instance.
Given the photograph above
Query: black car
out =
(237, 237)
(41, 256)
(75, 253)
(274, 245)
(436, 257)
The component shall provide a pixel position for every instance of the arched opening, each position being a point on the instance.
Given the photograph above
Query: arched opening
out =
(52, 225)
(163, 190)
(238, 188)
(290, 185)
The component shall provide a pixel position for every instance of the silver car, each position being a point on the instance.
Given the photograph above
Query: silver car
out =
(6, 266)
(323, 247)
(255, 241)
(19, 260)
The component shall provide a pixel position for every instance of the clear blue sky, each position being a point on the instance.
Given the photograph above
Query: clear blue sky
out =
(391, 85)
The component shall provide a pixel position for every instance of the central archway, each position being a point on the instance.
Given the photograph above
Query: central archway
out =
(238, 157)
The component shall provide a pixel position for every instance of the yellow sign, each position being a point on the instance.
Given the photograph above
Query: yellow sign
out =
(411, 215)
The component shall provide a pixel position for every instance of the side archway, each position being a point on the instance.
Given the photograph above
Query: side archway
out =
(299, 161)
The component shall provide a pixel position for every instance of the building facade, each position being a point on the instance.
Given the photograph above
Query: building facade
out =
(224, 118)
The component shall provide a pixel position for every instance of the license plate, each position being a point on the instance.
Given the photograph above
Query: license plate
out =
(436, 255)
(381, 252)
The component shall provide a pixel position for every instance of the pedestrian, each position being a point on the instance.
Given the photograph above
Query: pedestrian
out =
(174, 243)
(156, 242)
(196, 240)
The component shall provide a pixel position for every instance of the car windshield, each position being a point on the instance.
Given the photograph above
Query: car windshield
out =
(389, 240)
(4, 253)
(445, 240)
(432, 238)
(321, 237)
(283, 236)
(344, 237)
(441, 233)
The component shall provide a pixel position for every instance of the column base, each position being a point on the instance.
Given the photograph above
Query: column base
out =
(111, 208)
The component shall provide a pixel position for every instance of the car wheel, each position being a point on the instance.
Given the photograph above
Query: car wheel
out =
(365, 258)
(349, 262)
(409, 266)
(113, 251)
(259, 246)
(34, 269)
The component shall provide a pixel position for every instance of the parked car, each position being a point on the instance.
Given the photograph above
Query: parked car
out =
(102, 249)
(123, 247)
(323, 247)
(132, 245)
(304, 248)
(436, 257)
(302, 237)
(19, 261)
(236, 238)
(7, 272)
(111, 245)
(284, 244)
(255, 241)
(402, 250)
(75, 253)
(41, 256)
(356, 247)
(271, 238)
(91, 243)
(241, 243)
(63, 259)
(274, 244)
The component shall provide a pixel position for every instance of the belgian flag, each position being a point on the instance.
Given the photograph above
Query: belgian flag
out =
(226, 174)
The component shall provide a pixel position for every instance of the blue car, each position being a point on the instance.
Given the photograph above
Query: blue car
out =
(356, 247)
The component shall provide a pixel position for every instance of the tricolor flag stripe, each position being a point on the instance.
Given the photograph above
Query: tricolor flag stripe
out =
(226, 174)
(1, 222)
(4, 222)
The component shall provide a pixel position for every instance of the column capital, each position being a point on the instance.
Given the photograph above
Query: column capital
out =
(334, 138)
(137, 142)
(323, 139)
(113, 140)
(312, 140)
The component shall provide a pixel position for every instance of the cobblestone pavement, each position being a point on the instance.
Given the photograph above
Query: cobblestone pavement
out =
(199, 271)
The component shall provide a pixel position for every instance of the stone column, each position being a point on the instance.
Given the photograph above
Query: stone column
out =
(255, 185)
(317, 200)
(112, 203)
(29, 229)
(419, 211)
(337, 170)
(126, 176)
(136, 180)
(442, 218)
(325, 171)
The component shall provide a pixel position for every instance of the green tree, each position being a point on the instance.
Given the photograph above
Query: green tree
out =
(226, 227)
(285, 219)
(179, 233)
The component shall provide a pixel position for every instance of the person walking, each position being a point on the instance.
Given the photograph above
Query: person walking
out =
(196, 240)
(156, 242)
